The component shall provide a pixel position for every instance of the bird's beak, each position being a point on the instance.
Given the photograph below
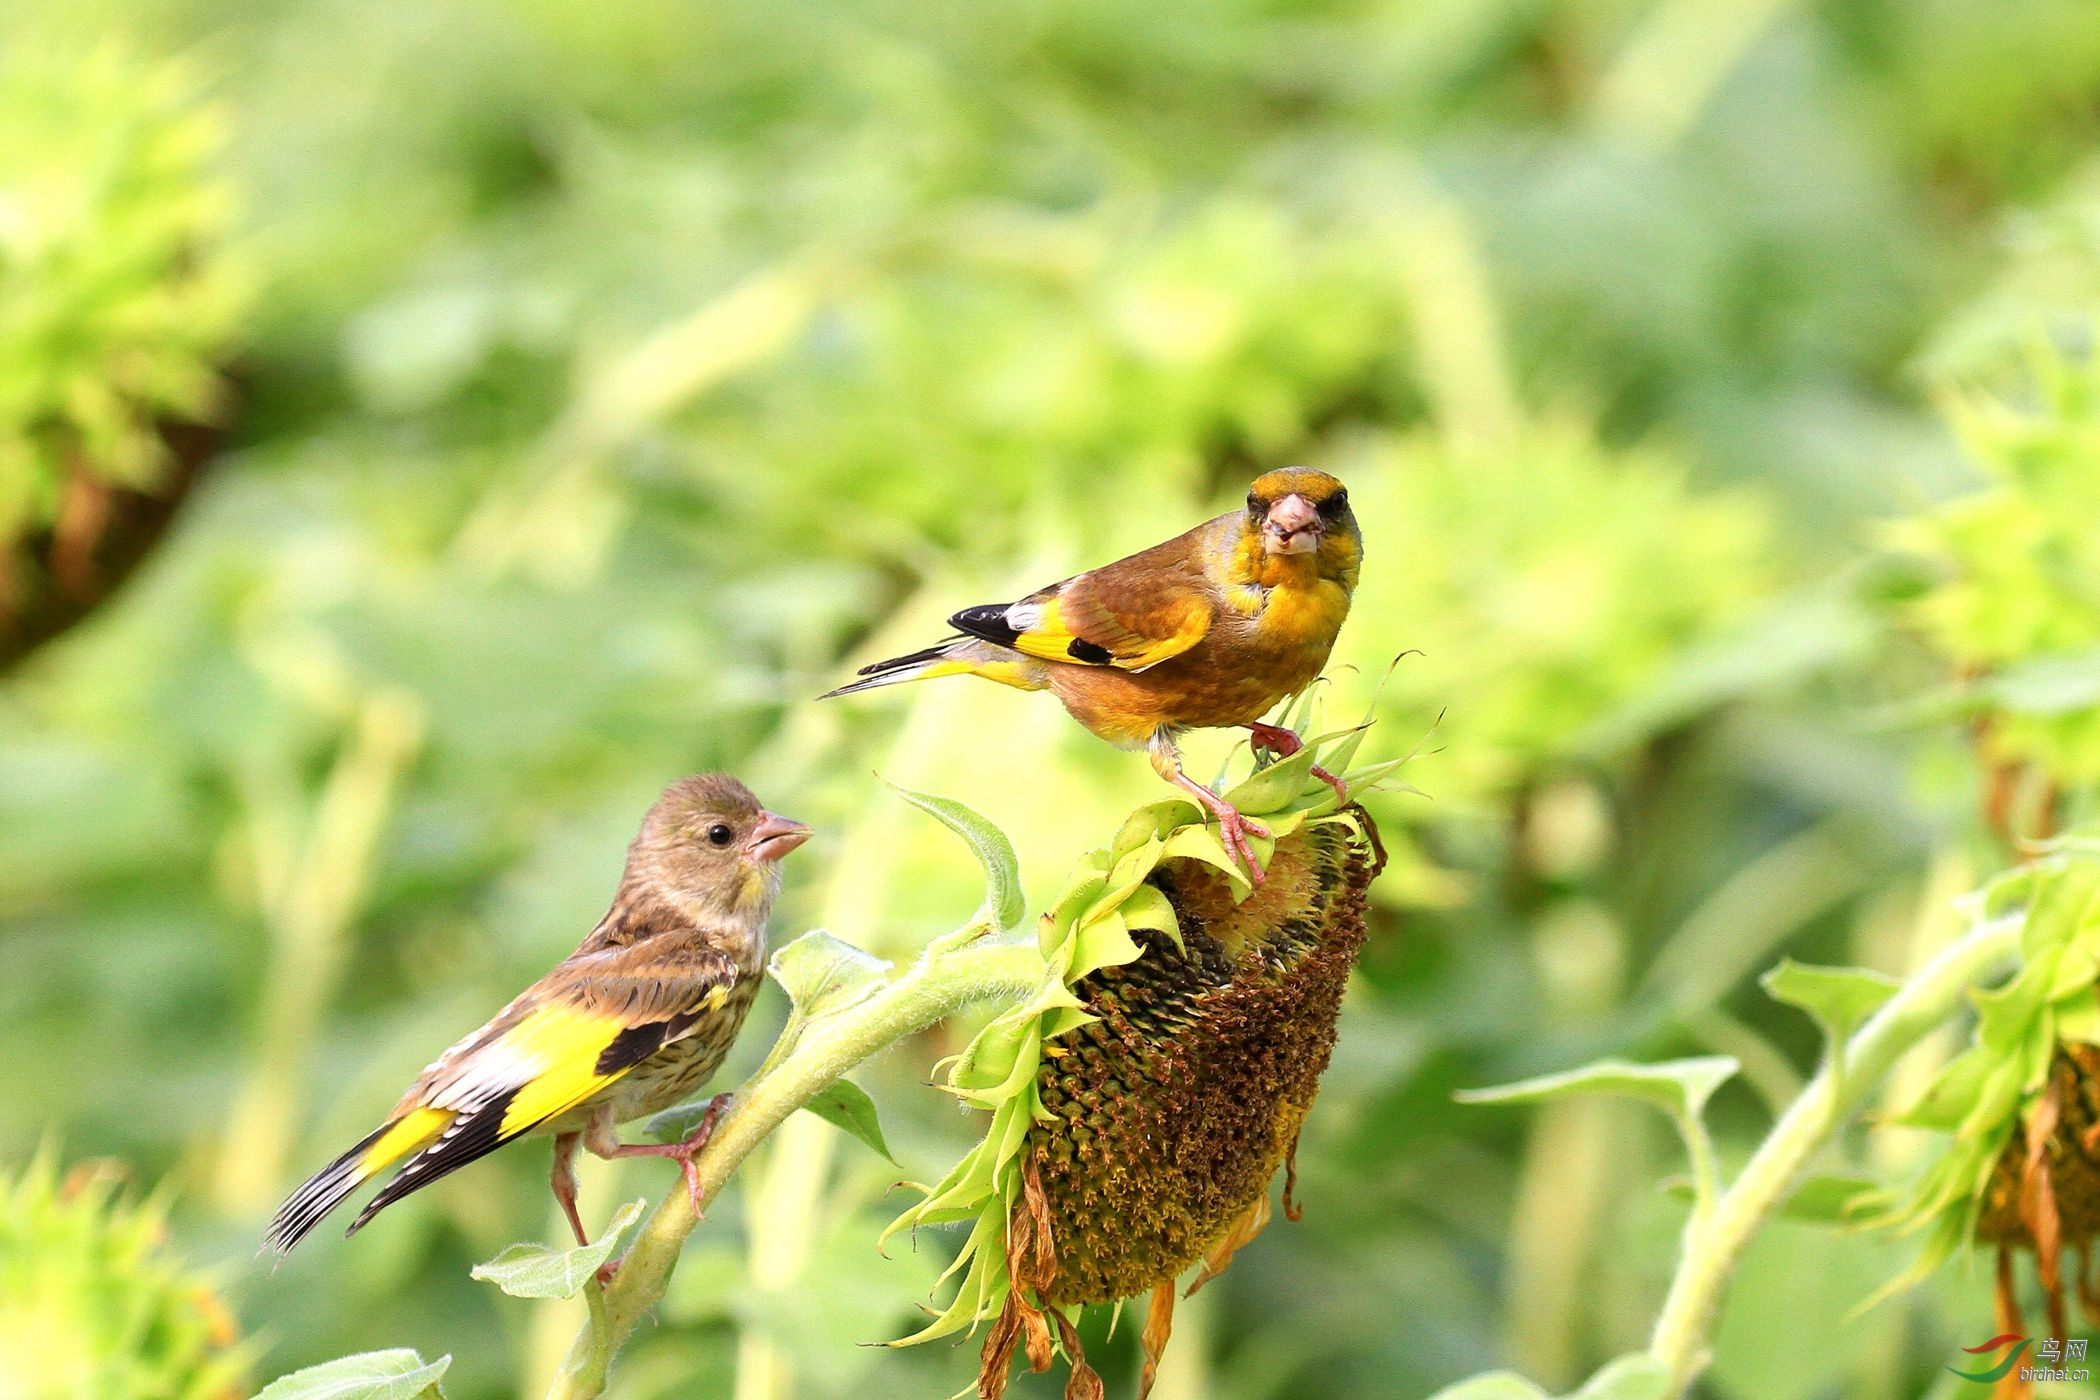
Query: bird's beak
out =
(1293, 526)
(774, 837)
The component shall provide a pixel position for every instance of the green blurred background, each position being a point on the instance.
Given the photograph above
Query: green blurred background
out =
(590, 386)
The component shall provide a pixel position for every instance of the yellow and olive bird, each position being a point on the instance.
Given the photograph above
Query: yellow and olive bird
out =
(629, 1024)
(1208, 630)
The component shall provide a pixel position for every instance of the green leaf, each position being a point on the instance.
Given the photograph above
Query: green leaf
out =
(822, 974)
(1495, 1385)
(538, 1271)
(846, 1106)
(1635, 1377)
(1202, 843)
(1274, 786)
(675, 1124)
(1149, 908)
(1004, 905)
(1678, 1086)
(1106, 942)
(1373, 776)
(398, 1374)
(1839, 998)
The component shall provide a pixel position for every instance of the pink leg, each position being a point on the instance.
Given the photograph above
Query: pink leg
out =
(1283, 743)
(1233, 828)
(564, 1179)
(603, 1142)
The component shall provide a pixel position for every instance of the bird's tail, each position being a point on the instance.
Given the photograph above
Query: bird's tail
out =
(958, 656)
(327, 1188)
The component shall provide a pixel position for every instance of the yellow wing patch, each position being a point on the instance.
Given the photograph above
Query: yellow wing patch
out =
(555, 1050)
(1094, 637)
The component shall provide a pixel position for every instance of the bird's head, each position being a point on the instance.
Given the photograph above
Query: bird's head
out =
(1301, 511)
(709, 842)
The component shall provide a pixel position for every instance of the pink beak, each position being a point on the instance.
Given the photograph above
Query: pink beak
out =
(774, 837)
(1293, 526)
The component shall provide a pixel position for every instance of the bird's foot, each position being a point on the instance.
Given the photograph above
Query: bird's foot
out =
(1275, 739)
(688, 1148)
(683, 1152)
(1233, 831)
(1233, 828)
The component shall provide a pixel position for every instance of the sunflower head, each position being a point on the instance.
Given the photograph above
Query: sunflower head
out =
(1143, 1102)
(2021, 1170)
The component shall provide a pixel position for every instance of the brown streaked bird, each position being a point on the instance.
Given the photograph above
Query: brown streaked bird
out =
(1209, 630)
(629, 1024)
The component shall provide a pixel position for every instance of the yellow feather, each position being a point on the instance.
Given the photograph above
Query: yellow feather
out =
(1051, 639)
(566, 1044)
(410, 1131)
(1011, 673)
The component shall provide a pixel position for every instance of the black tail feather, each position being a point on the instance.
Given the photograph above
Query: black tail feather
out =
(887, 672)
(321, 1193)
(917, 658)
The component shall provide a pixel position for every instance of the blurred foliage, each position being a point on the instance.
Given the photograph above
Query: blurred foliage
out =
(1529, 576)
(116, 310)
(619, 375)
(2012, 601)
(92, 1303)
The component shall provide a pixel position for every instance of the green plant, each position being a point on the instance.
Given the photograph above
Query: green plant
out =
(2018, 1103)
(1143, 1098)
(117, 306)
(92, 1301)
(1868, 1021)
(1125, 903)
(2008, 595)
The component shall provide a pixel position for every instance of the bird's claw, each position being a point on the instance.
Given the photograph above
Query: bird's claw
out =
(1233, 828)
(1273, 738)
(692, 1187)
(689, 1148)
(1233, 831)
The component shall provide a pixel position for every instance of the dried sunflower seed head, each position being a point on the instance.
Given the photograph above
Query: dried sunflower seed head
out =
(1143, 1102)
(1170, 1113)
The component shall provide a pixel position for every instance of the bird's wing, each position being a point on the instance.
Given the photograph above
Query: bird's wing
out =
(1132, 614)
(575, 1031)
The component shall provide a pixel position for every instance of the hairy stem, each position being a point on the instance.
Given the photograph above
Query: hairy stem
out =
(1715, 1240)
(825, 1050)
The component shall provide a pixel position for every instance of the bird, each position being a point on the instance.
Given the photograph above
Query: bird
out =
(1210, 629)
(631, 1023)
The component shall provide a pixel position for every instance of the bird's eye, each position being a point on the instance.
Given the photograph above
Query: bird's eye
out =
(1256, 504)
(1335, 504)
(720, 835)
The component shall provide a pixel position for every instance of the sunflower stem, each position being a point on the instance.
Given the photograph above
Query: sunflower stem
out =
(829, 1046)
(1715, 1239)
